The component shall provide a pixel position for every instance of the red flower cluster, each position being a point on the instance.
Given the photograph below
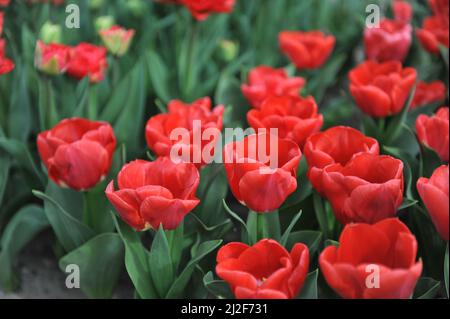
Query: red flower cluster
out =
(155, 193)
(381, 89)
(373, 262)
(77, 152)
(434, 32)
(265, 81)
(433, 132)
(194, 119)
(264, 271)
(434, 193)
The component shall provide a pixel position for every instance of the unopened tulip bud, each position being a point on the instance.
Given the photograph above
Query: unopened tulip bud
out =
(228, 50)
(50, 33)
(104, 22)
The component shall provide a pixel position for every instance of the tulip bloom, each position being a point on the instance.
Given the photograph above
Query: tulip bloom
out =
(440, 8)
(88, 60)
(307, 50)
(1, 22)
(403, 11)
(77, 152)
(381, 89)
(52, 58)
(434, 194)
(390, 41)
(373, 261)
(296, 118)
(428, 93)
(117, 40)
(263, 271)
(434, 33)
(155, 193)
(201, 9)
(264, 82)
(6, 65)
(366, 190)
(261, 170)
(433, 132)
(337, 145)
(168, 134)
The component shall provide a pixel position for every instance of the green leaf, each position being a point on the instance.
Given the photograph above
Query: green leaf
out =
(407, 203)
(19, 110)
(69, 230)
(23, 227)
(5, 164)
(429, 161)
(21, 154)
(178, 287)
(427, 288)
(218, 288)
(309, 290)
(235, 216)
(175, 238)
(159, 76)
(310, 238)
(446, 271)
(321, 214)
(48, 116)
(396, 123)
(100, 264)
(291, 226)
(136, 260)
(160, 261)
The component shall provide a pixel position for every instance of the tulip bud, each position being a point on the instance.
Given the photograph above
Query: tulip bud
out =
(117, 40)
(135, 6)
(95, 4)
(104, 22)
(51, 59)
(228, 50)
(50, 33)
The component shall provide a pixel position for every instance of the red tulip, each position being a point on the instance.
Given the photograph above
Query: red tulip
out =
(307, 50)
(155, 193)
(428, 93)
(117, 39)
(52, 58)
(264, 271)
(201, 9)
(261, 170)
(373, 261)
(88, 60)
(440, 8)
(434, 33)
(6, 65)
(296, 118)
(390, 41)
(1, 22)
(77, 152)
(381, 89)
(192, 120)
(403, 11)
(264, 82)
(433, 132)
(369, 188)
(337, 145)
(434, 193)
(4, 3)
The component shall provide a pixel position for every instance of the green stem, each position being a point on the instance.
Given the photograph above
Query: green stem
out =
(263, 226)
(93, 105)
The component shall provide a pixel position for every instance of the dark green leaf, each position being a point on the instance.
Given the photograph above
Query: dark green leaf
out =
(309, 290)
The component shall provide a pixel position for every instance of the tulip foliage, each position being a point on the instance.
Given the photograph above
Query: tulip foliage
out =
(113, 143)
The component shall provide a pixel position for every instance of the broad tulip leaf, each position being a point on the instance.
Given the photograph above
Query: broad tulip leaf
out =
(23, 227)
(100, 263)
(285, 237)
(321, 214)
(429, 161)
(427, 288)
(310, 238)
(159, 76)
(160, 262)
(178, 287)
(309, 290)
(5, 164)
(136, 260)
(218, 288)
(69, 230)
(19, 110)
